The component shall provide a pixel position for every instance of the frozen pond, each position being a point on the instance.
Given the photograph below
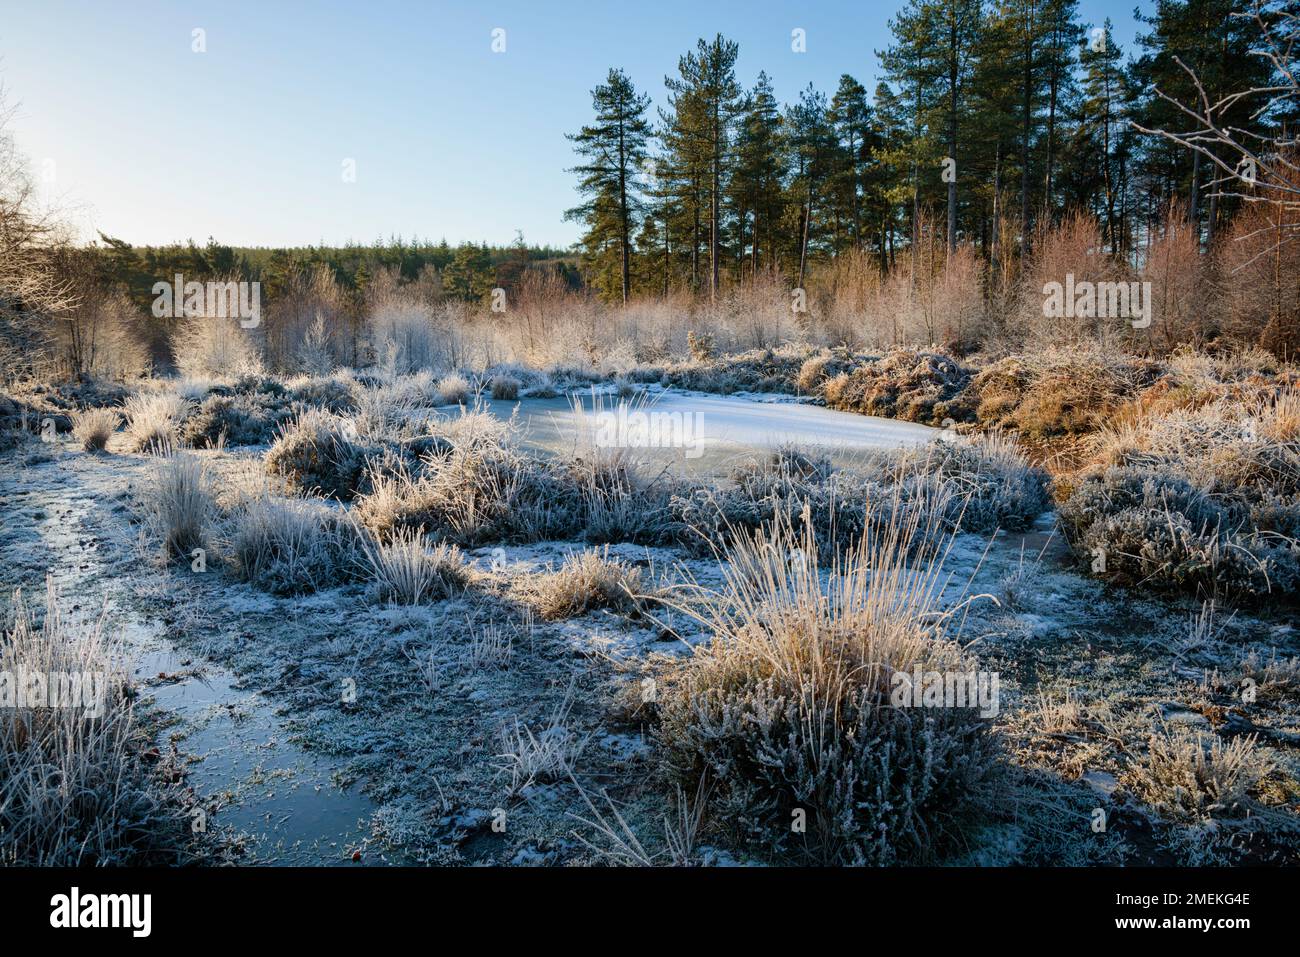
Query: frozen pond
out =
(704, 434)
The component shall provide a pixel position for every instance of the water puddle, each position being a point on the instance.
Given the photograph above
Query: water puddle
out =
(287, 806)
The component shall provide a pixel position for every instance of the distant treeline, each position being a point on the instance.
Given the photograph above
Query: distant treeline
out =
(467, 271)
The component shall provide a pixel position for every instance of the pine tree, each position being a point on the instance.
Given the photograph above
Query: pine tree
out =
(759, 173)
(1100, 120)
(707, 83)
(812, 143)
(850, 119)
(469, 275)
(615, 150)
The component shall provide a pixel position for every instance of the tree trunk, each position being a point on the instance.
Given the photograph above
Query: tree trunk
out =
(952, 133)
(624, 237)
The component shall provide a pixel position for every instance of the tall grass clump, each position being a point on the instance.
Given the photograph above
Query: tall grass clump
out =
(177, 505)
(408, 570)
(73, 790)
(505, 387)
(93, 427)
(454, 389)
(484, 488)
(789, 706)
(152, 421)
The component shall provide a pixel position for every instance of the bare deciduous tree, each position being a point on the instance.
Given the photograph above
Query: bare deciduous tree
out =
(1250, 166)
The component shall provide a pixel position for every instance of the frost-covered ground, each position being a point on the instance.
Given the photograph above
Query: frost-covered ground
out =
(330, 728)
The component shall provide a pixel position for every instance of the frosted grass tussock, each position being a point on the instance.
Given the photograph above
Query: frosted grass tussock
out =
(406, 570)
(544, 757)
(93, 427)
(454, 389)
(152, 421)
(291, 546)
(789, 708)
(70, 792)
(320, 451)
(177, 505)
(585, 581)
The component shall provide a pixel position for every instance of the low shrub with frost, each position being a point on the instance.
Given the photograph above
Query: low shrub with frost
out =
(1058, 392)
(153, 420)
(993, 480)
(990, 484)
(907, 384)
(408, 570)
(505, 387)
(1191, 778)
(1206, 501)
(320, 451)
(484, 489)
(93, 427)
(789, 707)
(335, 392)
(238, 419)
(384, 411)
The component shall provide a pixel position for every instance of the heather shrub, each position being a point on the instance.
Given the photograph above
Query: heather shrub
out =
(990, 482)
(239, 419)
(319, 451)
(1148, 527)
(1202, 500)
(1192, 778)
(995, 485)
(1057, 393)
(757, 370)
(333, 393)
(925, 387)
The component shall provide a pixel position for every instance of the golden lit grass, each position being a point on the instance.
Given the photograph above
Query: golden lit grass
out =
(93, 427)
(152, 421)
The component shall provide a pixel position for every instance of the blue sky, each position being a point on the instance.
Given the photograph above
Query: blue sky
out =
(152, 142)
